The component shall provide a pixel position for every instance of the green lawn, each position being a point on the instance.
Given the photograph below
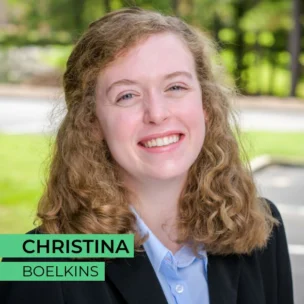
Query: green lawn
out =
(288, 146)
(23, 160)
(22, 166)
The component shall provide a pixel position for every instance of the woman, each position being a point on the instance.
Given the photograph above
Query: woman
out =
(146, 147)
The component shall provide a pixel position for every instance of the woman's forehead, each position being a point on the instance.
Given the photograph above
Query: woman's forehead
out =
(156, 56)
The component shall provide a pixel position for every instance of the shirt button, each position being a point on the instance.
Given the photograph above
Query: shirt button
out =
(179, 288)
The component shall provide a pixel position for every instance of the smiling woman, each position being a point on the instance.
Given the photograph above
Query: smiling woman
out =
(136, 128)
(146, 147)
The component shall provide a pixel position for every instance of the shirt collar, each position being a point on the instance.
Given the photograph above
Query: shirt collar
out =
(157, 252)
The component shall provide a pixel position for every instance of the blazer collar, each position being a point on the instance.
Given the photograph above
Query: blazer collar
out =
(135, 279)
(137, 282)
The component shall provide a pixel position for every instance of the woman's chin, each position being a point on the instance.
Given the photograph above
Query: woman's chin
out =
(166, 175)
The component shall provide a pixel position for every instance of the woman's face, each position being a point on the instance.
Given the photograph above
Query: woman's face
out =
(149, 106)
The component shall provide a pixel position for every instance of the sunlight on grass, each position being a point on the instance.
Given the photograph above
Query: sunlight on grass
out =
(22, 162)
(17, 219)
(283, 145)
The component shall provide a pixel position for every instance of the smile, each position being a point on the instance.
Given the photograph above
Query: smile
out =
(163, 141)
(162, 145)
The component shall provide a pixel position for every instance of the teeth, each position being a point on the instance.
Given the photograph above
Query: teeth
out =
(164, 141)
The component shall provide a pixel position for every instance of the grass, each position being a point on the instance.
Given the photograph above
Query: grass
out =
(281, 145)
(23, 162)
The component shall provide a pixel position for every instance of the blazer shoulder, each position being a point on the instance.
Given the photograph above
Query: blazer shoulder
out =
(275, 263)
(277, 236)
(274, 210)
(36, 230)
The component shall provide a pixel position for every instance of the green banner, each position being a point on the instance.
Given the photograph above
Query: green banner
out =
(67, 245)
(52, 271)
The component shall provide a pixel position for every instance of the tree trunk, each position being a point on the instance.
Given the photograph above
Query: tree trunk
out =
(3, 13)
(107, 5)
(78, 15)
(175, 4)
(294, 46)
(257, 62)
(217, 26)
(239, 46)
(273, 63)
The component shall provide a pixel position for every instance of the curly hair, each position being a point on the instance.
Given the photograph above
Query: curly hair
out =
(218, 206)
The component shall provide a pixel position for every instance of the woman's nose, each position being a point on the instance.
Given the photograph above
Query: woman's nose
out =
(156, 109)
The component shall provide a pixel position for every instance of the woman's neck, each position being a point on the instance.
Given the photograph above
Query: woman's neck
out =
(157, 204)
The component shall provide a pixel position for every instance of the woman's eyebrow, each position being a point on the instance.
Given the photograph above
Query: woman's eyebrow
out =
(178, 73)
(130, 82)
(120, 82)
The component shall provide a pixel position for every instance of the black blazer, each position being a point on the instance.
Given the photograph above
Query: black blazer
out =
(264, 277)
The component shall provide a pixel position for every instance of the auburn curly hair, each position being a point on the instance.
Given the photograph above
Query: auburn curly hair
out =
(218, 206)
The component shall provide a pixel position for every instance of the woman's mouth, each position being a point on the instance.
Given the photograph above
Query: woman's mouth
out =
(162, 144)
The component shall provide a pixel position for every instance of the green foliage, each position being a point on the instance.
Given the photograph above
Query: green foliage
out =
(265, 39)
(33, 37)
(204, 12)
(58, 57)
(269, 16)
(254, 34)
(227, 35)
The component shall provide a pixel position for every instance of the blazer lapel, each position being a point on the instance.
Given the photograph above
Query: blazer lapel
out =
(223, 278)
(136, 280)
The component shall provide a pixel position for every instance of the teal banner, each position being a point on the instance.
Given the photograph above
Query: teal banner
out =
(67, 245)
(52, 271)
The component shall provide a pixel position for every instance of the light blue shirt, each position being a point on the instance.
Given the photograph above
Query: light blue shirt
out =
(183, 276)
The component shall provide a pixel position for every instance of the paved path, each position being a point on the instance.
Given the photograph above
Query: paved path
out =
(284, 186)
(28, 115)
(280, 120)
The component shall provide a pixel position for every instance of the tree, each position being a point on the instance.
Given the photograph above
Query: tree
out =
(295, 46)
(107, 5)
(175, 6)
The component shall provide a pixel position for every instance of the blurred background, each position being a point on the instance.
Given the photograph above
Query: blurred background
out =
(261, 45)
(260, 39)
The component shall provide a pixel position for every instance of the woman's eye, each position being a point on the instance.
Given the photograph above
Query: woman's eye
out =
(125, 97)
(177, 88)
